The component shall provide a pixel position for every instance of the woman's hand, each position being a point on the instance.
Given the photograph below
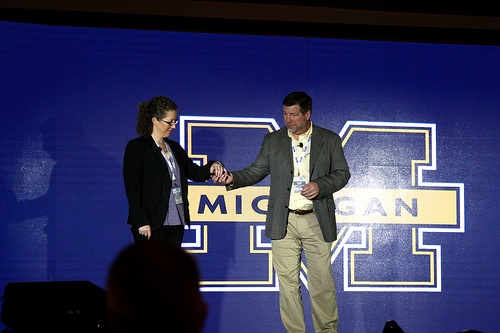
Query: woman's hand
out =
(217, 169)
(145, 231)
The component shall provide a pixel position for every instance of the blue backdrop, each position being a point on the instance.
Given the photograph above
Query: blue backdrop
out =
(419, 122)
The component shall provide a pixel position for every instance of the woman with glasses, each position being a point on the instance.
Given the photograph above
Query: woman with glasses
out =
(156, 172)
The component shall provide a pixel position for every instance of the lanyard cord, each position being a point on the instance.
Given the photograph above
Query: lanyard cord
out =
(297, 160)
(171, 164)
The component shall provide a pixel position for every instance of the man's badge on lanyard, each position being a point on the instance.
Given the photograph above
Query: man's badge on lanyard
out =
(298, 183)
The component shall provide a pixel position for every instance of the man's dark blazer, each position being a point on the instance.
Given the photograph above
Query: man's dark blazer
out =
(328, 168)
(148, 183)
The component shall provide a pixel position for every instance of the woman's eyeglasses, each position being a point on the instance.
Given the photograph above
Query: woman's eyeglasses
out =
(172, 122)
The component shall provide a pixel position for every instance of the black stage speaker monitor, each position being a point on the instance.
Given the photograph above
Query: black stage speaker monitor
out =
(66, 306)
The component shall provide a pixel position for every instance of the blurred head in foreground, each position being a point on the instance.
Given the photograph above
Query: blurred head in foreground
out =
(153, 286)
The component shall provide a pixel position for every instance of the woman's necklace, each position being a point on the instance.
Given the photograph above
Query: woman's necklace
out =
(163, 147)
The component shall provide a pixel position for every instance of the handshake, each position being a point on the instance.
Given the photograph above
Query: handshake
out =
(219, 174)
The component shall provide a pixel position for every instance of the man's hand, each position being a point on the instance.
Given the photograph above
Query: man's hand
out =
(310, 190)
(226, 178)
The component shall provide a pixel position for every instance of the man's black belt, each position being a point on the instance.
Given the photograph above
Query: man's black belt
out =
(300, 211)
